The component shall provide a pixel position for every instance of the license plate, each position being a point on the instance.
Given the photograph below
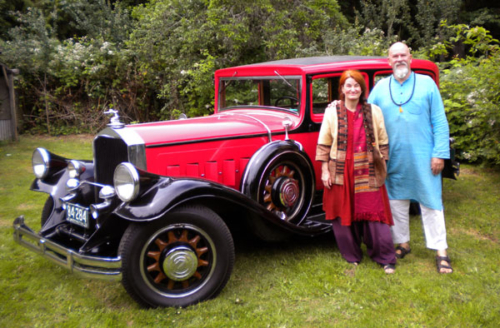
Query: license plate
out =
(77, 214)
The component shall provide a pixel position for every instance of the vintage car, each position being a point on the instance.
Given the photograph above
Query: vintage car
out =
(157, 206)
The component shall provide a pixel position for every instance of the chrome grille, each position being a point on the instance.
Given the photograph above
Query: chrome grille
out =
(108, 153)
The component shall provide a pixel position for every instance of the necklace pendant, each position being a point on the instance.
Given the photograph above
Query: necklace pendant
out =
(400, 109)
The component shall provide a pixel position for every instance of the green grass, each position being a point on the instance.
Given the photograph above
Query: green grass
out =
(303, 283)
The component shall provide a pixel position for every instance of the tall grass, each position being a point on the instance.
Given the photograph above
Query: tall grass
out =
(301, 283)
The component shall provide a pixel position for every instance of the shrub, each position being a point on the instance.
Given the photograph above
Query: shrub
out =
(471, 96)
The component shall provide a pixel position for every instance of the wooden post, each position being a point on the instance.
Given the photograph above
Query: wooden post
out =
(12, 96)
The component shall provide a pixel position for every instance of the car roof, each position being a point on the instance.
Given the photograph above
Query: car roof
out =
(309, 61)
(315, 65)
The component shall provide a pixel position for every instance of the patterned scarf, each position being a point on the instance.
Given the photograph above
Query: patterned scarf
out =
(363, 161)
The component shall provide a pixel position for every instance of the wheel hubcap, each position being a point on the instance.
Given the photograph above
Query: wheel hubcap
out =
(286, 192)
(282, 192)
(180, 263)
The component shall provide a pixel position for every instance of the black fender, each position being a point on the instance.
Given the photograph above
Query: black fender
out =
(170, 193)
(280, 176)
(55, 186)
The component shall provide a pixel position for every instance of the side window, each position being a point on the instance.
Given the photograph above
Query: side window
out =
(320, 94)
(379, 76)
(324, 91)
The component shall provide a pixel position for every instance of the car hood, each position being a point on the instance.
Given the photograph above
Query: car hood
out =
(228, 124)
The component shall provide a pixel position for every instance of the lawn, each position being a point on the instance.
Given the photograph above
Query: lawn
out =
(301, 283)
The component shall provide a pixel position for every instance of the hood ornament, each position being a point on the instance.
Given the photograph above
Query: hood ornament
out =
(115, 119)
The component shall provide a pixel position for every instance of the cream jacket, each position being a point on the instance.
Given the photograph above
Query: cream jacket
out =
(328, 133)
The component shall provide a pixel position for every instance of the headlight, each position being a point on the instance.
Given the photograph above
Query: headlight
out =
(45, 163)
(40, 162)
(126, 181)
(75, 169)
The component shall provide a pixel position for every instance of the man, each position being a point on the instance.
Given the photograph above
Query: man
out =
(418, 144)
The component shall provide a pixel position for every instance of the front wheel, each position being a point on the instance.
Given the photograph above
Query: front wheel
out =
(181, 259)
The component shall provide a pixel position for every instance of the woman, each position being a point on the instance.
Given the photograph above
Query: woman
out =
(353, 147)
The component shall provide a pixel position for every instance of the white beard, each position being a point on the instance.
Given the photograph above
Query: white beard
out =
(401, 72)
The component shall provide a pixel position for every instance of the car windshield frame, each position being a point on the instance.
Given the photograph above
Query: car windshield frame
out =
(262, 92)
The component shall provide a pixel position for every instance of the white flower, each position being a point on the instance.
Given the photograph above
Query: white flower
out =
(104, 46)
(471, 96)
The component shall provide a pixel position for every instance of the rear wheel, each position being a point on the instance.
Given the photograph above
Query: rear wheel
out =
(181, 259)
(285, 187)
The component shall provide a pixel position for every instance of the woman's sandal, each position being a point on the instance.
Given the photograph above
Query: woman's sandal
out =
(389, 267)
(404, 252)
(440, 266)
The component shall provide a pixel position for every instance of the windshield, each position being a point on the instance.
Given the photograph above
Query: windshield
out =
(277, 92)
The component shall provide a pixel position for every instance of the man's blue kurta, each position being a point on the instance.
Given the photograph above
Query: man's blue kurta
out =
(416, 134)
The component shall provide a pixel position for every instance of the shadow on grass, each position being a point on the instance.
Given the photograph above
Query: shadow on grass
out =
(249, 244)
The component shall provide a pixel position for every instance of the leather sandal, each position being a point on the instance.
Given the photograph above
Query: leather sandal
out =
(443, 266)
(388, 267)
(404, 252)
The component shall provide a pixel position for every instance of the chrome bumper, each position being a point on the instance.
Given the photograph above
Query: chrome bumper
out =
(108, 268)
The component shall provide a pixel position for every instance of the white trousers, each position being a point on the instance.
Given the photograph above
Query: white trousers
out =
(432, 221)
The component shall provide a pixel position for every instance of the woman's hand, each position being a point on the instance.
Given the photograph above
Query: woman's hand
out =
(325, 175)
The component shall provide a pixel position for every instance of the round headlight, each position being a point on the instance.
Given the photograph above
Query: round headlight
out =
(126, 181)
(40, 162)
(75, 169)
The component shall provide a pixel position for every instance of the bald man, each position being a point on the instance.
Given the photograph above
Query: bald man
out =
(419, 143)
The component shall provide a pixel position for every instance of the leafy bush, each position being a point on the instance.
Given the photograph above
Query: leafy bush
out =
(471, 96)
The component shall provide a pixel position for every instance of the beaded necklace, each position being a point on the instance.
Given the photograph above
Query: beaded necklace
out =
(411, 96)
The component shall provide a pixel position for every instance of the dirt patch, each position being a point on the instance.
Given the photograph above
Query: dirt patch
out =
(475, 234)
(4, 222)
(24, 207)
(468, 171)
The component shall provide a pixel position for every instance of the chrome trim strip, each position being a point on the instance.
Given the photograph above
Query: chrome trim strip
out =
(107, 268)
(253, 118)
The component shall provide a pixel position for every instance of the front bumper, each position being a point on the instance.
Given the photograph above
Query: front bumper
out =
(107, 268)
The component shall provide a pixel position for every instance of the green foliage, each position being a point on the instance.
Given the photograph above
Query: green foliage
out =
(66, 85)
(179, 45)
(96, 19)
(356, 41)
(427, 28)
(391, 16)
(471, 95)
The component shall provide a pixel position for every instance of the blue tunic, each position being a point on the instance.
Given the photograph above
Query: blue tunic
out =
(416, 134)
